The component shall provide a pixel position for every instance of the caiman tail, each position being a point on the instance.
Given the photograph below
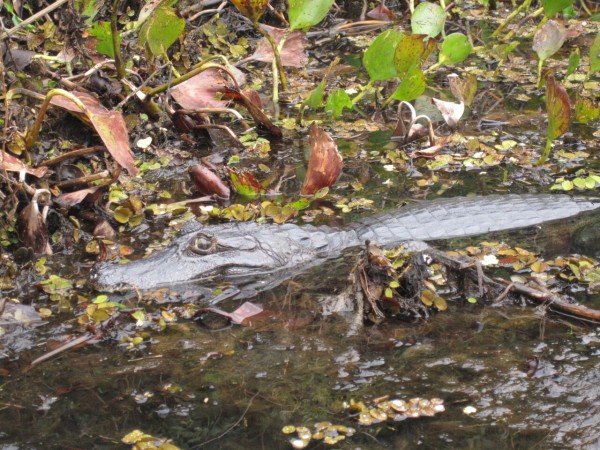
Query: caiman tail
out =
(256, 257)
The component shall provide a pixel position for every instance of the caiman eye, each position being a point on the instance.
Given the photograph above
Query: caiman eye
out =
(204, 245)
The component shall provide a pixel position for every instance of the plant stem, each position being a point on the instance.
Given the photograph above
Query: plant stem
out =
(269, 38)
(115, 41)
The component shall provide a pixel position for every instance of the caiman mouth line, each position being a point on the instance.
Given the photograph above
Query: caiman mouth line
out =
(261, 256)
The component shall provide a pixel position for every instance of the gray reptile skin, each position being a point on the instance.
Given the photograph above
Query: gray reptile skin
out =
(255, 257)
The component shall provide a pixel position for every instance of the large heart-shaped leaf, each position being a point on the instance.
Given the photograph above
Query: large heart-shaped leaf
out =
(428, 19)
(548, 40)
(161, 30)
(379, 56)
(304, 14)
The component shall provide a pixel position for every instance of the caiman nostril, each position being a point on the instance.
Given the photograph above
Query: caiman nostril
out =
(204, 245)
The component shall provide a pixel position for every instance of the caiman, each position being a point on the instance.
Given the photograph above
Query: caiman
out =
(254, 257)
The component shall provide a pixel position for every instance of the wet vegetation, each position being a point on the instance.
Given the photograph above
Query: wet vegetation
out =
(122, 121)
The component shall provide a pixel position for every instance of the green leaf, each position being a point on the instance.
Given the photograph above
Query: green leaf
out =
(304, 14)
(101, 30)
(315, 98)
(428, 19)
(336, 102)
(595, 55)
(412, 86)
(88, 8)
(574, 59)
(408, 54)
(161, 30)
(551, 7)
(472, 300)
(380, 54)
(455, 48)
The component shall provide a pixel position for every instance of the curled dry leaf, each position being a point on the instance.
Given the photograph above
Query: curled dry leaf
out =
(452, 112)
(325, 163)
(293, 53)
(381, 12)
(32, 225)
(207, 182)
(433, 150)
(109, 125)
(201, 91)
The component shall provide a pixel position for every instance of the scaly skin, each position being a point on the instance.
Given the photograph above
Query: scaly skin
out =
(254, 257)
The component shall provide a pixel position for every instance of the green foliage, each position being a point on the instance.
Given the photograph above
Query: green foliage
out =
(408, 54)
(428, 19)
(574, 59)
(455, 48)
(304, 14)
(162, 28)
(88, 8)
(412, 86)
(336, 102)
(595, 55)
(101, 30)
(551, 7)
(378, 57)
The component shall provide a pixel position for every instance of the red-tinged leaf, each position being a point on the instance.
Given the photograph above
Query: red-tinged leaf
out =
(239, 316)
(430, 152)
(245, 183)
(201, 91)
(109, 125)
(11, 164)
(293, 53)
(74, 198)
(207, 182)
(252, 9)
(245, 312)
(325, 163)
(255, 111)
(558, 106)
(381, 12)
(451, 112)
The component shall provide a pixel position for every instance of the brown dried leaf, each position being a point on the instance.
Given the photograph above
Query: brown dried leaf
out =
(293, 53)
(201, 91)
(32, 227)
(325, 163)
(10, 163)
(109, 125)
(207, 182)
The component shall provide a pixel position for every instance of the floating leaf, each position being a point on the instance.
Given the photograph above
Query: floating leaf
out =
(378, 57)
(325, 163)
(455, 48)
(428, 19)
(304, 14)
(252, 9)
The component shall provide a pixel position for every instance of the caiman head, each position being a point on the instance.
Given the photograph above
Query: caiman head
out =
(238, 252)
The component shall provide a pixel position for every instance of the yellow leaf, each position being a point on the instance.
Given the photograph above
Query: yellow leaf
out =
(252, 9)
